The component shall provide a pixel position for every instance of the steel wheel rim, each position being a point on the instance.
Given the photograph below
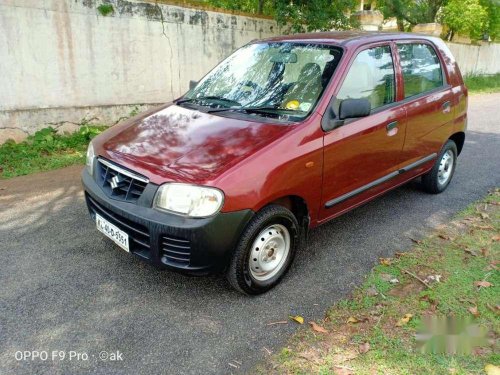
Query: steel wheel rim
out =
(269, 252)
(445, 167)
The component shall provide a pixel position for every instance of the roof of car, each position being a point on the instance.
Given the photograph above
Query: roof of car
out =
(346, 37)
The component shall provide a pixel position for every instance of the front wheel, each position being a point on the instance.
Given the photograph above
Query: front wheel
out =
(265, 251)
(438, 178)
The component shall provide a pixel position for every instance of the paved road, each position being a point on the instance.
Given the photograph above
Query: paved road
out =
(64, 287)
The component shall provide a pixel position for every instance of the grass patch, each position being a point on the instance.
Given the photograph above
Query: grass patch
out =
(45, 150)
(368, 333)
(105, 9)
(483, 83)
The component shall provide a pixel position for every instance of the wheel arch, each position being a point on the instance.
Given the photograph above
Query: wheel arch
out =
(298, 206)
(459, 139)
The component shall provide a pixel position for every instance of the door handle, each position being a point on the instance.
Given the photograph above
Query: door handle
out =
(391, 125)
(446, 106)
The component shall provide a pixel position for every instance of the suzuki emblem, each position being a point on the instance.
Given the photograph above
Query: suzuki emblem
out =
(115, 182)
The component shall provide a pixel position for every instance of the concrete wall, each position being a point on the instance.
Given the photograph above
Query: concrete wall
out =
(369, 20)
(61, 61)
(483, 59)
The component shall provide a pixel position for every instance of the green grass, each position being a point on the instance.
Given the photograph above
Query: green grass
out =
(105, 9)
(45, 150)
(464, 252)
(483, 83)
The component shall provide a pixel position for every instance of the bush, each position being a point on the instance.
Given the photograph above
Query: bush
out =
(45, 150)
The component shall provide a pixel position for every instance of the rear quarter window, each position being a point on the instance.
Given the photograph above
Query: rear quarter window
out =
(422, 70)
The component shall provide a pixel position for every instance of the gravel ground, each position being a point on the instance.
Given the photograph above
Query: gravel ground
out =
(64, 287)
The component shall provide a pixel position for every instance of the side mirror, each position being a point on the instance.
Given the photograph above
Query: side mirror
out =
(348, 109)
(192, 84)
(353, 108)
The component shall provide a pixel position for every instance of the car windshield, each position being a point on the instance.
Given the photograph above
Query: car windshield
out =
(283, 81)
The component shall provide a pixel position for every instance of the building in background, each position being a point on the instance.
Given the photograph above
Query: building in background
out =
(369, 18)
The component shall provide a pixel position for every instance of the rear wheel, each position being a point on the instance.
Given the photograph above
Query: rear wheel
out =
(438, 178)
(265, 251)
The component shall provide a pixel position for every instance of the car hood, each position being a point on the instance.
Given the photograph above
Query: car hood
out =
(181, 144)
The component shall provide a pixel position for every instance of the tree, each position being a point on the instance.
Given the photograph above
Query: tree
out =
(302, 15)
(265, 7)
(466, 17)
(493, 10)
(411, 12)
(260, 8)
(248, 6)
(315, 15)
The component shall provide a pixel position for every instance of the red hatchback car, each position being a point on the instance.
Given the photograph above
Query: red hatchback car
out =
(282, 136)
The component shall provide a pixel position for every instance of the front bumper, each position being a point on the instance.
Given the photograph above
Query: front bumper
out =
(195, 246)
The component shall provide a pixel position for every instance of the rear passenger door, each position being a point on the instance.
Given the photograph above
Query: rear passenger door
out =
(428, 101)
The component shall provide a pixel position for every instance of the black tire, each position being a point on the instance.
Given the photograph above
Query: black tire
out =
(430, 180)
(238, 273)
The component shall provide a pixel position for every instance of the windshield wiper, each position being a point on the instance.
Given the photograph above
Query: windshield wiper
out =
(202, 98)
(247, 109)
(236, 108)
(187, 100)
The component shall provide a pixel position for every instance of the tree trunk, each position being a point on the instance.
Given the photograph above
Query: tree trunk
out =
(260, 10)
(401, 26)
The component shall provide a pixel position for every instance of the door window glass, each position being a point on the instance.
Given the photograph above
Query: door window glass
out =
(421, 68)
(371, 76)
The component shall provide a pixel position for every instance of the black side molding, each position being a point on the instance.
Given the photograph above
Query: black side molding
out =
(379, 181)
(361, 189)
(417, 163)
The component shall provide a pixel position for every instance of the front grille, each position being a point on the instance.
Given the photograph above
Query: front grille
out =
(139, 238)
(119, 183)
(175, 250)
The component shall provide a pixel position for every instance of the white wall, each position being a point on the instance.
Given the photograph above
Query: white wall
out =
(62, 62)
(63, 54)
(483, 59)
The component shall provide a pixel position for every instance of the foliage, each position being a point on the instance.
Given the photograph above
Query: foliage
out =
(483, 83)
(45, 150)
(453, 273)
(315, 15)
(466, 17)
(302, 15)
(493, 9)
(309, 15)
(105, 9)
(248, 6)
(411, 12)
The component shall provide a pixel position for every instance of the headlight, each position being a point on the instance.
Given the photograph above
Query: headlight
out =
(190, 200)
(90, 159)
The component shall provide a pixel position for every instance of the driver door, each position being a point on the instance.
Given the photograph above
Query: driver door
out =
(362, 156)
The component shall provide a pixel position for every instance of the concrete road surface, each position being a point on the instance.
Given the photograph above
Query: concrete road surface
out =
(64, 288)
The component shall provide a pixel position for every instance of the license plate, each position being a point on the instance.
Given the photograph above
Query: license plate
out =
(111, 231)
